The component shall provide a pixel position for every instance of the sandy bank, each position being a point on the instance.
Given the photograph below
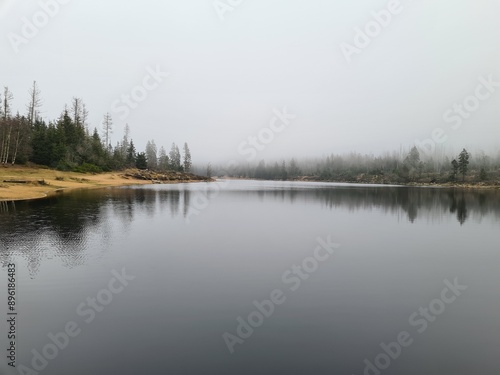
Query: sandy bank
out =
(22, 183)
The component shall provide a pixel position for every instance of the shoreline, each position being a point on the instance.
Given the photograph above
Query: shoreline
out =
(19, 183)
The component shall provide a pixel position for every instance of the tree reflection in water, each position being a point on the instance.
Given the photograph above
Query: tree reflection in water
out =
(66, 226)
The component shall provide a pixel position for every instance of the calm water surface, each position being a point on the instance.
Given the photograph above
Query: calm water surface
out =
(201, 254)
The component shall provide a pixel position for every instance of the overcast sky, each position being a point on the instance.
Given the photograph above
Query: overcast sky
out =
(231, 66)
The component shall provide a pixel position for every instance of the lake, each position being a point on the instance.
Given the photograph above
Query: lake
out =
(253, 277)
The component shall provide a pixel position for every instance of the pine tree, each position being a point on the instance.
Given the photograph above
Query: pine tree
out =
(413, 157)
(294, 170)
(97, 149)
(483, 175)
(175, 158)
(151, 154)
(40, 151)
(209, 171)
(141, 161)
(131, 155)
(454, 169)
(125, 141)
(413, 163)
(283, 172)
(163, 162)
(463, 163)
(187, 158)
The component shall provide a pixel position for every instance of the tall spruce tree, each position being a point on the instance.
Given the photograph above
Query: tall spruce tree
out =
(187, 158)
(463, 163)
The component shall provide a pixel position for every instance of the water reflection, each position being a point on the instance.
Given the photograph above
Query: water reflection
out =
(6, 206)
(67, 226)
(427, 203)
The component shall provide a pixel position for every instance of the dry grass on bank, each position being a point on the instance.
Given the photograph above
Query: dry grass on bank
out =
(20, 182)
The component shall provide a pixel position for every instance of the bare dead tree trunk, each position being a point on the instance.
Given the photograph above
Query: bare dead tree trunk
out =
(4, 152)
(77, 111)
(6, 110)
(3, 126)
(7, 143)
(34, 104)
(85, 118)
(20, 135)
(107, 128)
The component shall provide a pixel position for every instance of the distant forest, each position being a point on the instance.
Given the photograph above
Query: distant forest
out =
(68, 144)
(396, 167)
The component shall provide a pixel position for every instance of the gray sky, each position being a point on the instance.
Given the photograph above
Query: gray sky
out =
(229, 71)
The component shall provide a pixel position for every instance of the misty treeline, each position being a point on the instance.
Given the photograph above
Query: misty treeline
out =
(403, 166)
(67, 143)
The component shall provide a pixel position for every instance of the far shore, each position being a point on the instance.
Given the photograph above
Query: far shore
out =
(456, 185)
(26, 183)
(361, 182)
